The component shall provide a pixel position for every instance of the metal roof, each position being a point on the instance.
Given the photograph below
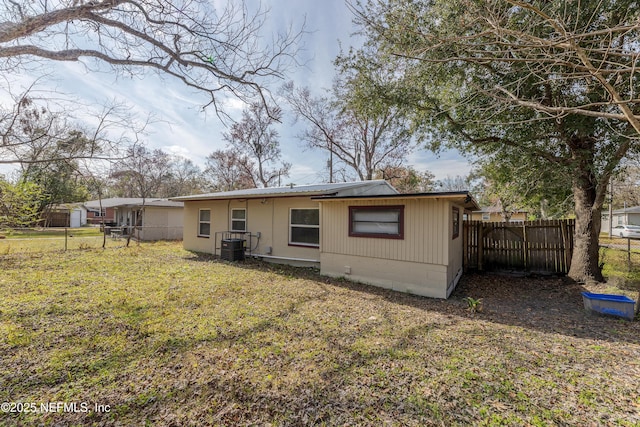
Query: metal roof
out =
(632, 209)
(115, 202)
(353, 188)
(464, 197)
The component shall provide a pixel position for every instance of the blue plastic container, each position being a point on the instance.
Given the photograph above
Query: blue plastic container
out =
(614, 305)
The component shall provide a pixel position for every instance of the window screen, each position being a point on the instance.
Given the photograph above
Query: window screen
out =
(238, 220)
(376, 221)
(204, 223)
(304, 227)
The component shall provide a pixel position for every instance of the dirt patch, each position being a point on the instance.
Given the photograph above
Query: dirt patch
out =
(552, 304)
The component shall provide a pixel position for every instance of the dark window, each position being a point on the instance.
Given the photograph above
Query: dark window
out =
(238, 220)
(304, 227)
(204, 223)
(385, 222)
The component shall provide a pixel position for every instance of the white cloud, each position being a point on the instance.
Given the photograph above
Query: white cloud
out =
(447, 163)
(177, 150)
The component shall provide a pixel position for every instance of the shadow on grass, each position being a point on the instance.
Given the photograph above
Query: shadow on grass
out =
(345, 390)
(550, 305)
(238, 396)
(546, 304)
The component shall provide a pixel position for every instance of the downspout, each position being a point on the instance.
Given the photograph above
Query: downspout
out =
(223, 234)
(611, 210)
(246, 225)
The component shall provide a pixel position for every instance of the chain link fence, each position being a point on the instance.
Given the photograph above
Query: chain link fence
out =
(625, 250)
(34, 240)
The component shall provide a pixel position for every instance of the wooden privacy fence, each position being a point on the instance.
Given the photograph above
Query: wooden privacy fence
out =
(57, 219)
(532, 246)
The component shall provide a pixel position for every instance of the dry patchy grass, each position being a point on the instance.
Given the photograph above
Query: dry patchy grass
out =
(166, 337)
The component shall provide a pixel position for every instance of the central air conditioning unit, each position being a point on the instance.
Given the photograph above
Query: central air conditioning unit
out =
(232, 249)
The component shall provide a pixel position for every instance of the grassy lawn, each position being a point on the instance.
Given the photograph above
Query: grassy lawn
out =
(622, 278)
(53, 240)
(167, 337)
(34, 233)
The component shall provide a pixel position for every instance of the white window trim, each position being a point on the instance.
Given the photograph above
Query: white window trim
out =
(243, 220)
(310, 245)
(204, 222)
(97, 213)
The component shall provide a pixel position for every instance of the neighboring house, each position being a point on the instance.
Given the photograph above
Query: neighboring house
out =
(97, 215)
(494, 214)
(157, 219)
(625, 216)
(72, 215)
(364, 231)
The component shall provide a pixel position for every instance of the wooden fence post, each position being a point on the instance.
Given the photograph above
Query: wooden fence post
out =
(629, 253)
(480, 233)
(525, 247)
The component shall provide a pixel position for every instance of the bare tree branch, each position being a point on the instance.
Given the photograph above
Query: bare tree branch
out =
(36, 131)
(211, 49)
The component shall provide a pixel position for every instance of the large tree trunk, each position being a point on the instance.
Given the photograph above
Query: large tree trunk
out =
(585, 263)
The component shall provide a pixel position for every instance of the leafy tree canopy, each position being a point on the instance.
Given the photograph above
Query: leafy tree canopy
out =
(549, 85)
(19, 203)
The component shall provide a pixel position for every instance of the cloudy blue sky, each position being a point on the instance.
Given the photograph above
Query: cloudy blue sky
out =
(180, 125)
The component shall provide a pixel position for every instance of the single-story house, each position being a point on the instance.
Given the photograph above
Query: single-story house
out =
(624, 216)
(364, 231)
(494, 214)
(156, 219)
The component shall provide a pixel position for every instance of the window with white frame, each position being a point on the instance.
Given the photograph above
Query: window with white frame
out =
(304, 227)
(239, 220)
(486, 216)
(99, 213)
(204, 223)
(386, 222)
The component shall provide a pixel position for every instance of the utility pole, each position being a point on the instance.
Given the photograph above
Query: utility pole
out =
(610, 207)
(331, 164)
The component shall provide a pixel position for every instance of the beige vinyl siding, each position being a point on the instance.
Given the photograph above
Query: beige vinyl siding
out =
(425, 236)
(454, 265)
(411, 277)
(427, 261)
